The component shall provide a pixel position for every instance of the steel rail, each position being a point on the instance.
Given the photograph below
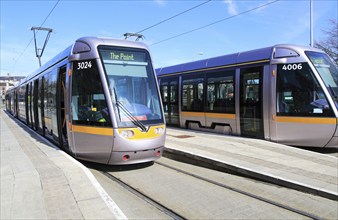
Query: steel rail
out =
(144, 197)
(260, 198)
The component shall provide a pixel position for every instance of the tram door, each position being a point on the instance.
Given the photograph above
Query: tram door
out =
(251, 115)
(169, 91)
(61, 97)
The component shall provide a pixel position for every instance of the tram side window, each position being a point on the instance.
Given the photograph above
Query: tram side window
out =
(46, 91)
(164, 93)
(192, 94)
(89, 106)
(220, 94)
(22, 105)
(299, 93)
(173, 92)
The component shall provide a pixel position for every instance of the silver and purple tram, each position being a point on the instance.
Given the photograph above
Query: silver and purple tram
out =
(284, 93)
(98, 99)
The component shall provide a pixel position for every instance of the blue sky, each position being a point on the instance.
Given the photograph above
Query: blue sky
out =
(285, 21)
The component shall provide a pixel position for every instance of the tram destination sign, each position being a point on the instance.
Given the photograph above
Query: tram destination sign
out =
(122, 55)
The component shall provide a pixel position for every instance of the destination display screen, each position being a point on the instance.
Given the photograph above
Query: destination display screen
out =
(122, 55)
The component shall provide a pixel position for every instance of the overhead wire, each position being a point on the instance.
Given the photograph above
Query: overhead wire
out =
(16, 60)
(213, 23)
(154, 25)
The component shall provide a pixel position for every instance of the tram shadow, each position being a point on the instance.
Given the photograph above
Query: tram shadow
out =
(116, 168)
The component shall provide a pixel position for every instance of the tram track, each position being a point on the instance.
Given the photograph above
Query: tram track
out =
(152, 198)
(228, 187)
(144, 197)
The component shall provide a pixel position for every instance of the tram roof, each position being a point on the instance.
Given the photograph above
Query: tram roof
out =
(235, 58)
(232, 59)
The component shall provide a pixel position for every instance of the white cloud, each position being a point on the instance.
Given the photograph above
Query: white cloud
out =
(232, 7)
(160, 2)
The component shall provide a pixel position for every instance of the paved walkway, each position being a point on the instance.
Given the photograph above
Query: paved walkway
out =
(39, 181)
(288, 166)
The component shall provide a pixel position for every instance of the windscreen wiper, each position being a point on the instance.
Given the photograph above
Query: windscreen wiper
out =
(133, 119)
(118, 109)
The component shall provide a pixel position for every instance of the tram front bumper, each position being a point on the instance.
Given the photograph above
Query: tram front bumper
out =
(133, 157)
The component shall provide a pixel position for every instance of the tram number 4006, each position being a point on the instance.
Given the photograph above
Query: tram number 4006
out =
(84, 65)
(295, 66)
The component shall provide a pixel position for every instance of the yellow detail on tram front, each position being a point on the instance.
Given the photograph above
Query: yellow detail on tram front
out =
(137, 134)
(93, 130)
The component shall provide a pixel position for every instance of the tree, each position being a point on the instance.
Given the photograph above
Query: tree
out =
(330, 44)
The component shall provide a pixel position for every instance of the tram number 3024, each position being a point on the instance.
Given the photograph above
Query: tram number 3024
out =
(84, 65)
(296, 66)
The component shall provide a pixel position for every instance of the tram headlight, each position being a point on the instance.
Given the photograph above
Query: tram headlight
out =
(159, 130)
(127, 133)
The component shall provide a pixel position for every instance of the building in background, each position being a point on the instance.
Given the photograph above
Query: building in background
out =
(7, 82)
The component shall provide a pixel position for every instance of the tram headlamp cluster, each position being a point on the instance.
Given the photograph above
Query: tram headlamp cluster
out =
(127, 133)
(159, 130)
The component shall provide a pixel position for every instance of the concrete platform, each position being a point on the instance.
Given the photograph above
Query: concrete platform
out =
(280, 164)
(39, 181)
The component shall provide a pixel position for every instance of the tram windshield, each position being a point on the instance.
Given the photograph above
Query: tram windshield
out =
(132, 86)
(327, 70)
